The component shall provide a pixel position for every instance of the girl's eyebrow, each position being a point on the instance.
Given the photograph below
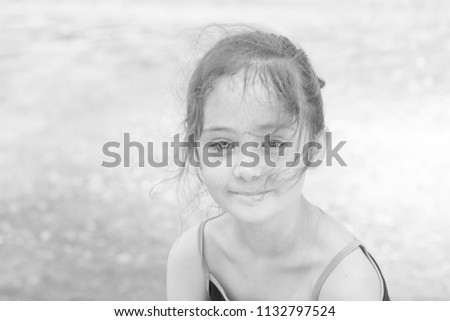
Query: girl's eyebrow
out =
(276, 126)
(264, 127)
(218, 129)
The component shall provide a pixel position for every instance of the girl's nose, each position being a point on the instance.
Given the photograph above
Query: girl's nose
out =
(247, 168)
(247, 173)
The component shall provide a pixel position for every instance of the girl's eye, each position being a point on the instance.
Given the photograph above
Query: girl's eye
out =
(275, 148)
(221, 146)
(273, 144)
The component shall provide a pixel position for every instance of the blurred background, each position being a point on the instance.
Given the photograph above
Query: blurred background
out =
(77, 74)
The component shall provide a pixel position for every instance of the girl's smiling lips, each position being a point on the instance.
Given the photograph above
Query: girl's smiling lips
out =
(250, 193)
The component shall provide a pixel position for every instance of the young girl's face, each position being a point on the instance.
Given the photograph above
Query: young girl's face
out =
(233, 116)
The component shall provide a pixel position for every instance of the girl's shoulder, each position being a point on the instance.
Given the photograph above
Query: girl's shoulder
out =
(186, 244)
(349, 273)
(185, 277)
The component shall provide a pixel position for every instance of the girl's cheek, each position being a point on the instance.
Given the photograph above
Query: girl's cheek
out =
(214, 172)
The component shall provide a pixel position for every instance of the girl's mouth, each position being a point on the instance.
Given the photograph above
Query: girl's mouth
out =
(254, 194)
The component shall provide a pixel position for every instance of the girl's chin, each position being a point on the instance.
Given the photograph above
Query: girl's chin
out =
(250, 212)
(251, 217)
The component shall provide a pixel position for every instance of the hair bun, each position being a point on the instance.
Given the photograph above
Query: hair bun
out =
(321, 82)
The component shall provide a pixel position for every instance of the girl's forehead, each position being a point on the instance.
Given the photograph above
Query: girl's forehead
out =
(243, 107)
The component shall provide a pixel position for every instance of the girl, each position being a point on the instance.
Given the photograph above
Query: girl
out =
(255, 122)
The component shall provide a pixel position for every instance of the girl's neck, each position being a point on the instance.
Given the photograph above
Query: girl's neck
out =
(281, 235)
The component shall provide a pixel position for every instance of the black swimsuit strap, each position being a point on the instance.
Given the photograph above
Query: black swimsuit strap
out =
(201, 242)
(331, 266)
(338, 258)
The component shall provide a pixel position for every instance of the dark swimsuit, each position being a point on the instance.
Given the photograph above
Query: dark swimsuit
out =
(217, 293)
